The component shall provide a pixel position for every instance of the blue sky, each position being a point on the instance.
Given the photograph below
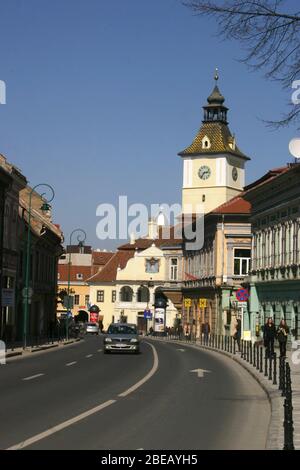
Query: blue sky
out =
(102, 95)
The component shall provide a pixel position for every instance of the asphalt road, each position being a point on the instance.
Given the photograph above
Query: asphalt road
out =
(165, 405)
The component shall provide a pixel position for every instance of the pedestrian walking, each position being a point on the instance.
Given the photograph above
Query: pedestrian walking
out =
(269, 337)
(282, 336)
(238, 333)
(206, 332)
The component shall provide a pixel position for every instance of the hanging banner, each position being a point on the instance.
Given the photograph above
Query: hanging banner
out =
(159, 320)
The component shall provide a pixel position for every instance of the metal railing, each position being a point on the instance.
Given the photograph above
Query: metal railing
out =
(278, 372)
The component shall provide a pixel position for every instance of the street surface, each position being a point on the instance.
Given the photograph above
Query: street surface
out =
(168, 397)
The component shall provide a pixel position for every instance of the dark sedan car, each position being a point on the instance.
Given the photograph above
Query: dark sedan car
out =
(121, 337)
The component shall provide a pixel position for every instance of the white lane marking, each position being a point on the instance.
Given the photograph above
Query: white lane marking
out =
(96, 409)
(71, 363)
(147, 377)
(200, 372)
(59, 427)
(182, 350)
(99, 350)
(33, 377)
(88, 356)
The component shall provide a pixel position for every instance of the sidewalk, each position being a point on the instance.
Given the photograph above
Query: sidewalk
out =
(19, 351)
(276, 429)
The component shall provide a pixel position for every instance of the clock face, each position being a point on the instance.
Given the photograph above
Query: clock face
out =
(234, 174)
(204, 172)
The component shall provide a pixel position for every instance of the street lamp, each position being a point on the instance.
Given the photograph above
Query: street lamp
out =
(81, 237)
(27, 293)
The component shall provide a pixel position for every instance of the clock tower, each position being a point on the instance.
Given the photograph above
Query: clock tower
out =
(213, 165)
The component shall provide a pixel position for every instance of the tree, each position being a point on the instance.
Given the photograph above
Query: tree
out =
(270, 36)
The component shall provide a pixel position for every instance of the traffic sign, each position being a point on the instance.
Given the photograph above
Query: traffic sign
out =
(27, 292)
(242, 295)
(187, 303)
(148, 314)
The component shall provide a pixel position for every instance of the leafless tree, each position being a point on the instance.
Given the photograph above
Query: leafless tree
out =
(270, 34)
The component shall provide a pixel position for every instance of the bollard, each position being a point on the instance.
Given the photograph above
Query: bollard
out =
(288, 412)
(230, 344)
(283, 390)
(222, 342)
(266, 365)
(270, 367)
(248, 350)
(261, 359)
(254, 354)
(275, 370)
(258, 358)
(234, 346)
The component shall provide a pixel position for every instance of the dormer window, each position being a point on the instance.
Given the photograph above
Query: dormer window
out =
(206, 143)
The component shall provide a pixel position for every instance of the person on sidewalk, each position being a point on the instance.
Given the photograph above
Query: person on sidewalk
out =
(269, 337)
(282, 336)
(238, 333)
(206, 332)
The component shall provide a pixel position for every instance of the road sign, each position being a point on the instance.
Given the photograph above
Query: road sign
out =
(242, 295)
(27, 292)
(187, 303)
(202, 303)
(148, 314)
(8, 297)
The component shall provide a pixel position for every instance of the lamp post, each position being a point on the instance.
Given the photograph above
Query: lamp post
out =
(81, 237)
(27, 293)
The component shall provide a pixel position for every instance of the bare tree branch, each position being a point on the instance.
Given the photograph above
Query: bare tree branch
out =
(270, 36)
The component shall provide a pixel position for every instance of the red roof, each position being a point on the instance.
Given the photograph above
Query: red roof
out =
(109, 272)
(144, 243)
(236, 205)
(266, 178)
(101, 257)
(63, 272)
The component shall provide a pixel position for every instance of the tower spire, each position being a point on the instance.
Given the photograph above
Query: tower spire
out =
(216, 77)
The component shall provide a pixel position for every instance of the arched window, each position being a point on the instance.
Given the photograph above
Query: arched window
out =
(126, 294)
(143, 294)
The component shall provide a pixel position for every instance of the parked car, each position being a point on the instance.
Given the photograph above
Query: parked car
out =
(121, 337)
(92, 328)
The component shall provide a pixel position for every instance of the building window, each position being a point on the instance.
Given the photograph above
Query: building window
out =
(76, 299)
(126, 294)
(113, 296)
(143, 294)
(87, 300)
(242, 258)
(100, 295)
(174, 269)
(79, 276)
(152, 265)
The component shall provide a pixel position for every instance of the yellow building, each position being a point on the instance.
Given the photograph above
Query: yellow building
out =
(84, 263)
(102, 286)
(128, 284)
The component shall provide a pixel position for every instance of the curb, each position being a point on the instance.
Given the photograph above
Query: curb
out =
(13, 354)
(43, 348)
(275, 429)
